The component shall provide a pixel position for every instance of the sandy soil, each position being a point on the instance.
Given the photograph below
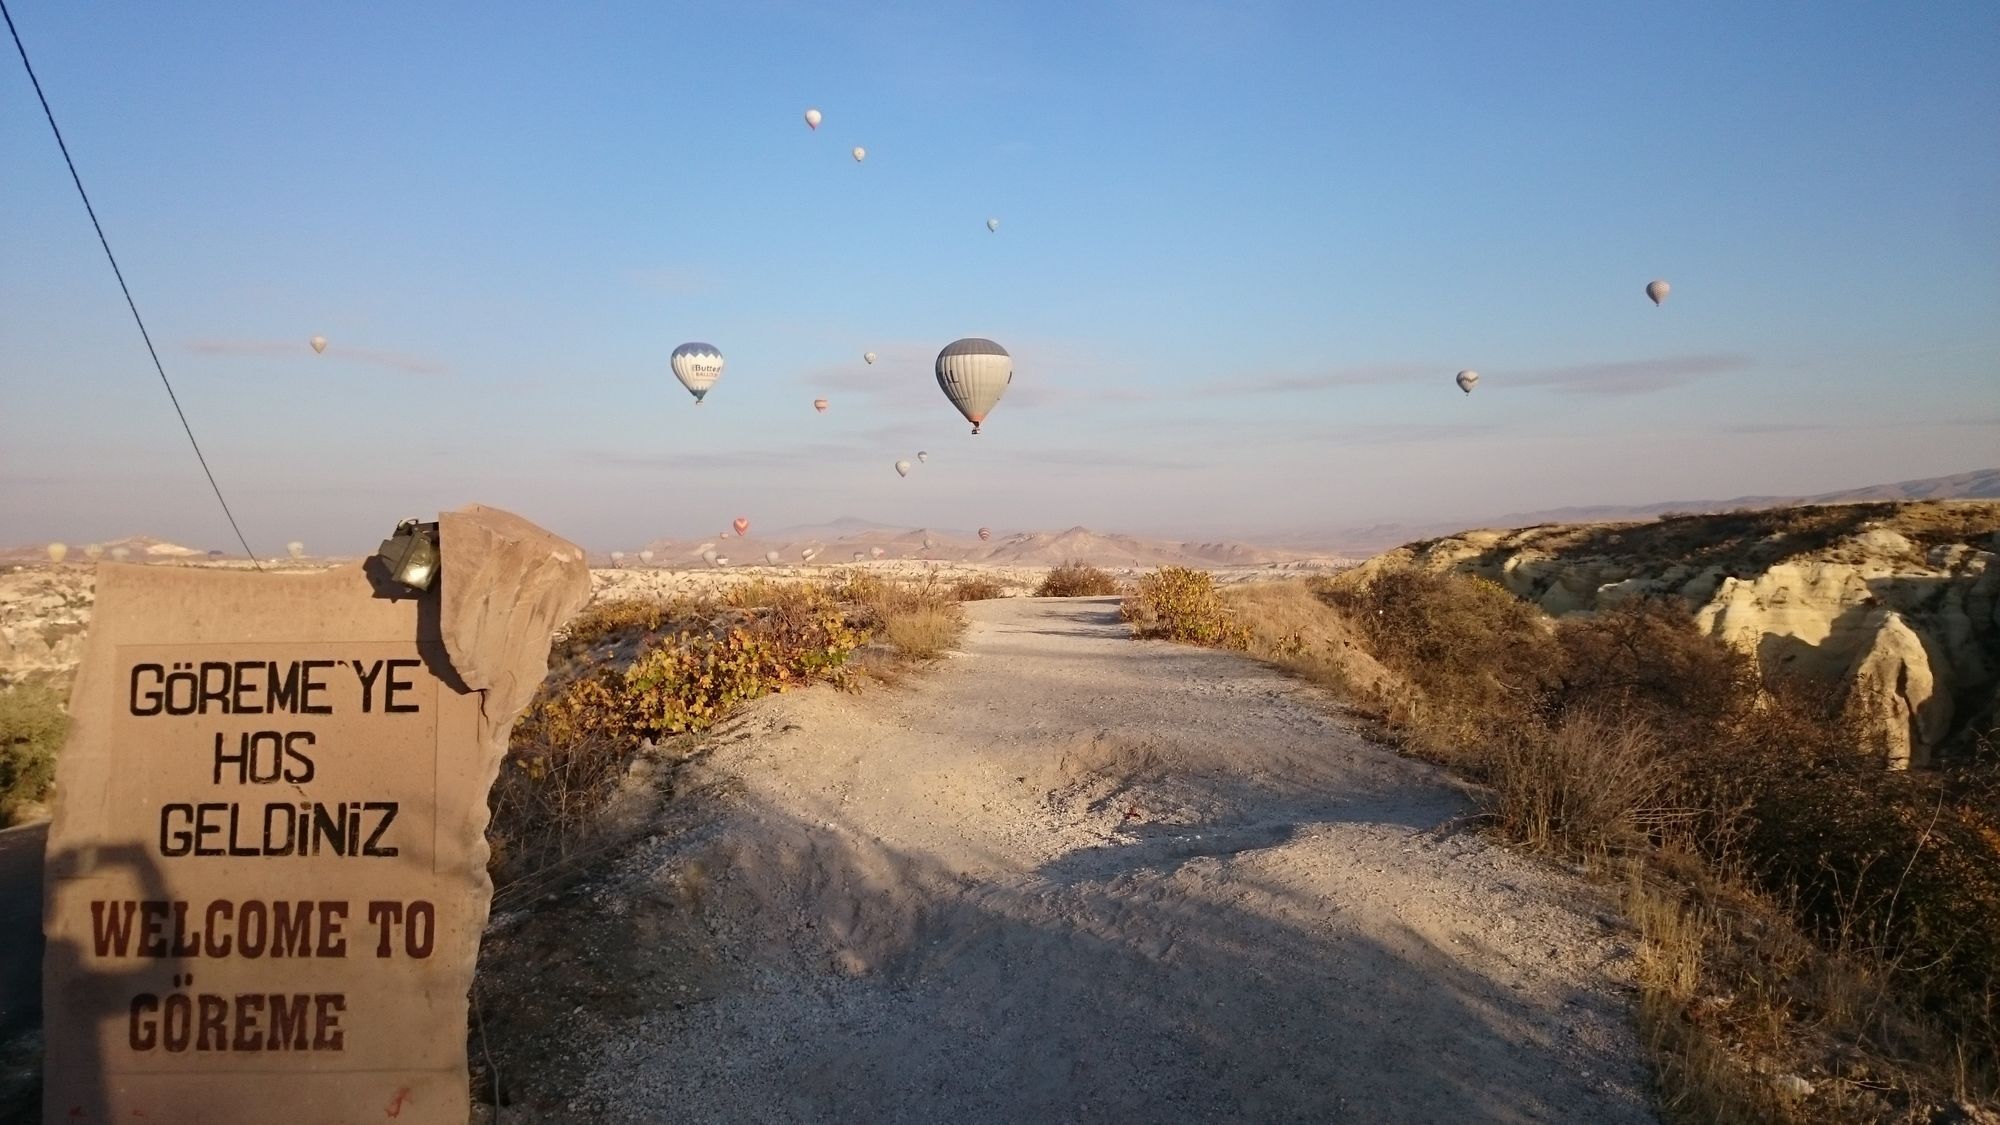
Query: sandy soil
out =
(1072, 877)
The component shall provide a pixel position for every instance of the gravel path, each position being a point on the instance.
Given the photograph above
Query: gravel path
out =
(1072, 877)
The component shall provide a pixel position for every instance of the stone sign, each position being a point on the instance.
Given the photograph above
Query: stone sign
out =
(267, 865)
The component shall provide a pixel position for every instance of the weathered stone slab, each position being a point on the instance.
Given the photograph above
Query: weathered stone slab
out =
(266, 870)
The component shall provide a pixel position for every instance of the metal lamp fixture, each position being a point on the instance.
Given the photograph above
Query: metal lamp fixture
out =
(411, 554)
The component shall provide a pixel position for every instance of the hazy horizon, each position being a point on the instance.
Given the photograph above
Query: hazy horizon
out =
(1242, 252)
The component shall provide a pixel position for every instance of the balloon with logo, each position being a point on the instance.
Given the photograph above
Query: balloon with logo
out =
(1658, 290)
(319, 344)
(1467, 380)
(697, 366)
(974, 373)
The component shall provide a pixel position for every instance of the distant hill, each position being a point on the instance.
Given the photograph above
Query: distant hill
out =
(840, 540)
(1980, 484)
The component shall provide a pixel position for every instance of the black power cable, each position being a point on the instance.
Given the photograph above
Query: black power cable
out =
(120, 274)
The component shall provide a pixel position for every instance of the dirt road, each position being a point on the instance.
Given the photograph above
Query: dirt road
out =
(1072, 877)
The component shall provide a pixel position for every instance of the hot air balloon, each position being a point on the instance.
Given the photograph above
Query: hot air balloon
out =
(902, 468)
(726, 535)
(319, 344)
(121, 553)
(869, 356)
(58, 552)
(923, 455)
(927, 542)
(697, 366)
(806, 554)
(646, 556)
(93, 551)
(771, 557)
(819, 404)
(985, 533)
(721, 560)
(993, 225)
(296, 549)
(876, 552)
(974, 373)
(709, 556)
(859, 555)
(813, 119)
(617, 558)
(860, 154)
(215, 554)
(1468, 380)
(1658, 290)
(741, 524)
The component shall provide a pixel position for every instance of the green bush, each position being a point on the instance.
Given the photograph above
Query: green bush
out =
(1180, 604)
(1075, 580)
(32, 725)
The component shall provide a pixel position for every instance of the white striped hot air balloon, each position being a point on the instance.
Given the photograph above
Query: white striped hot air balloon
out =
(985, 533)
(974, 373)
(697, 366)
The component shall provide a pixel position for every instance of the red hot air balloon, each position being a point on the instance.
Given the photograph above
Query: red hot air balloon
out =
(741, 525)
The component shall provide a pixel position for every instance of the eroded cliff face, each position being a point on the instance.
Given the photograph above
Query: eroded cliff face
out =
(44, 614)
(1899, 604)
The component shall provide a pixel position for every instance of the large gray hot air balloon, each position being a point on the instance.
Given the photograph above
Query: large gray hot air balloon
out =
(1468, 380)
(813, 119)
(697, 366)
(974, 373)
(58, 551)
(1658, 290)
(902, 468)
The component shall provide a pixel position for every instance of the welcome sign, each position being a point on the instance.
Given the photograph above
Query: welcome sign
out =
(267, 865)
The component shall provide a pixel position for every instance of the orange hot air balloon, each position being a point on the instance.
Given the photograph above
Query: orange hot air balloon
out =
(985, 533)
(741, 525)
(819, 404)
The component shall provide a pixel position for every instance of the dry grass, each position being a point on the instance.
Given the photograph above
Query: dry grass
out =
(924, 633)
(1801, 911)
(1180, 604)
(978, 590)
(1076, 580)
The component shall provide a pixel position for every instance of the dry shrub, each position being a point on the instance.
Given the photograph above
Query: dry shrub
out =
(924, 632)
(978, 590)
(32, 725)
(1076, 580)
(1292, 626)
(648, 672)
(1591, 784)
(1180, 604)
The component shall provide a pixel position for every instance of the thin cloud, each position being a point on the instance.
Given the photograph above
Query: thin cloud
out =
(394, 361)
(1100, 459)
(789, 457)
(1624, 377)
(1319, 381)
(1782, 427)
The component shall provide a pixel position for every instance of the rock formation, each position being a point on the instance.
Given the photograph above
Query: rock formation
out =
(1899, 603)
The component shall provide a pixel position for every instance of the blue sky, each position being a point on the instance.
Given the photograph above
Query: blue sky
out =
(1243, 250)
